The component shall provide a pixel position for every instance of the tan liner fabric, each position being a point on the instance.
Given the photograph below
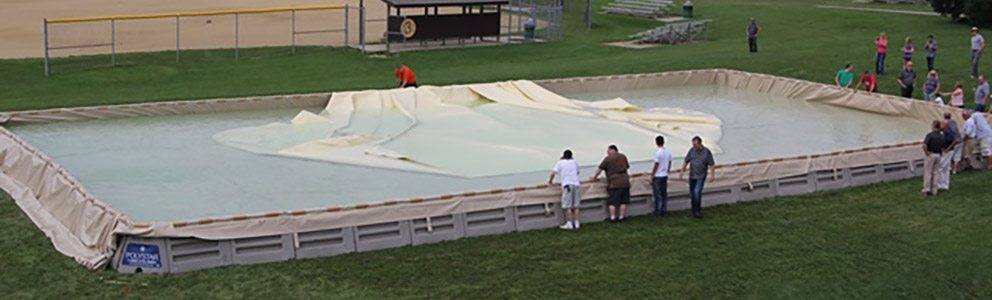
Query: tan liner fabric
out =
(83, 227)
(165, 108)
(79, 225)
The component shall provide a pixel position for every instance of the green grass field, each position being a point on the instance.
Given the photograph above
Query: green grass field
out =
(882, 241)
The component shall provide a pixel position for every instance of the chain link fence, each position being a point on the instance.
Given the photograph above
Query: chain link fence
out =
(231, 30)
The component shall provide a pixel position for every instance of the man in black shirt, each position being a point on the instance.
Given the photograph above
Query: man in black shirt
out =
(933, 147)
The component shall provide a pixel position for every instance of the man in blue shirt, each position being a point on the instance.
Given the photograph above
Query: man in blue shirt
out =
(752, 35)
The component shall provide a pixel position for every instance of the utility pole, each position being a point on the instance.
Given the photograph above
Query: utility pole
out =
(588, 16)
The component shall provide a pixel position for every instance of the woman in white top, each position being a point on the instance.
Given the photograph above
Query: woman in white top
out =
(957, 95)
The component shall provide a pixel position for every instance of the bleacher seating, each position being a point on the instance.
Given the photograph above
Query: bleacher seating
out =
(640, 8)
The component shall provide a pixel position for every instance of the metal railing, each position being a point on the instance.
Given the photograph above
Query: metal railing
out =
(112, 21)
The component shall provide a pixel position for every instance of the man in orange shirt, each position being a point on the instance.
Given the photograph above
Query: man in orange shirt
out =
(406, 76)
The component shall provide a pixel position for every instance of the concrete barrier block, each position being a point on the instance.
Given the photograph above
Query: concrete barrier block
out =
(262, 249)
(189, 254)
(438, 229)
(865, 175)
(640, 205)
(487, 222)
(720, 195)
(593, 210)
(382, 235)
(897, 171)
(538, 216)
(795, 185)
(828, 180)
(325, 242)
(758, 190)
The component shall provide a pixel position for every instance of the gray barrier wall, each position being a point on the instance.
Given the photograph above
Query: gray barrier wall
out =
(179, 255)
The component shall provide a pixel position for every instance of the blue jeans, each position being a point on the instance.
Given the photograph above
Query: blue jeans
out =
(659, 187)
(696, 194)
(880, 63)
(976, 58)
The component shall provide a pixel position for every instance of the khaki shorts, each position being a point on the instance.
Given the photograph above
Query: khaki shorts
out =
(571, 196)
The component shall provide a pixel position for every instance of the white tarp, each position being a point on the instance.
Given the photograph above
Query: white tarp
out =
(471, 130)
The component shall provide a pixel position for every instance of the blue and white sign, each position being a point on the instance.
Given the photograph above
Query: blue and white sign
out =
(142, 255)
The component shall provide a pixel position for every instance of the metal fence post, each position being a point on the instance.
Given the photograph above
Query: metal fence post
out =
(113, 42)
(293, 32)
(45, 23)
(237, 41)
(346, 9)
(361, 26)
(177, 39)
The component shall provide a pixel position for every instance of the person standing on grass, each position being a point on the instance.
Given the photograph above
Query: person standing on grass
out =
(907, 80)
(951, 140)
(869, 81)
(932, 86)
(957, 95)
(882, 48)
(957, 152)
(571, 197)
(615, 165)
(698, 161)
(845, 76)
(933, 146)
(977, 131)
(752, 35)
(977, 48)
(981, 94)
(908, 49)
(931, 49)
(659, 180)
(406, 76)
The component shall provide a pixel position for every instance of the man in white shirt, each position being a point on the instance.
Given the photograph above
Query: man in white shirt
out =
(977, 47)
(977, 130)
(659, 180)
(571, 197)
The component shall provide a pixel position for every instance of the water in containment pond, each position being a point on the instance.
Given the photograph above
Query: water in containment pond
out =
(171, 168)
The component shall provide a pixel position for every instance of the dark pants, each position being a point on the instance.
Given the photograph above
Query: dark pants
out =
(752, 43)
(930, 63)
(659, 187)
(980, 107)
(907, 91)
(412, 84)
(880, 63)
(696, 195)
(976, 58)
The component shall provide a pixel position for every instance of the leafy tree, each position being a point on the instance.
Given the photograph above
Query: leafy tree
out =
(979, 12)
(951, 8)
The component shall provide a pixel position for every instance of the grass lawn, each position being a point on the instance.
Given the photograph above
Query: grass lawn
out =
(798, 40)
(882, 241)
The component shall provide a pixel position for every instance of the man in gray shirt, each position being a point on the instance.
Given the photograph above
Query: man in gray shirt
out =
(907, 80)
(699, 160)
(977, 47)
(981, 94)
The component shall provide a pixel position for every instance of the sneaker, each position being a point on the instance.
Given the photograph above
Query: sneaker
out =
(566, 226)
(620, 220)
(576, 224)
